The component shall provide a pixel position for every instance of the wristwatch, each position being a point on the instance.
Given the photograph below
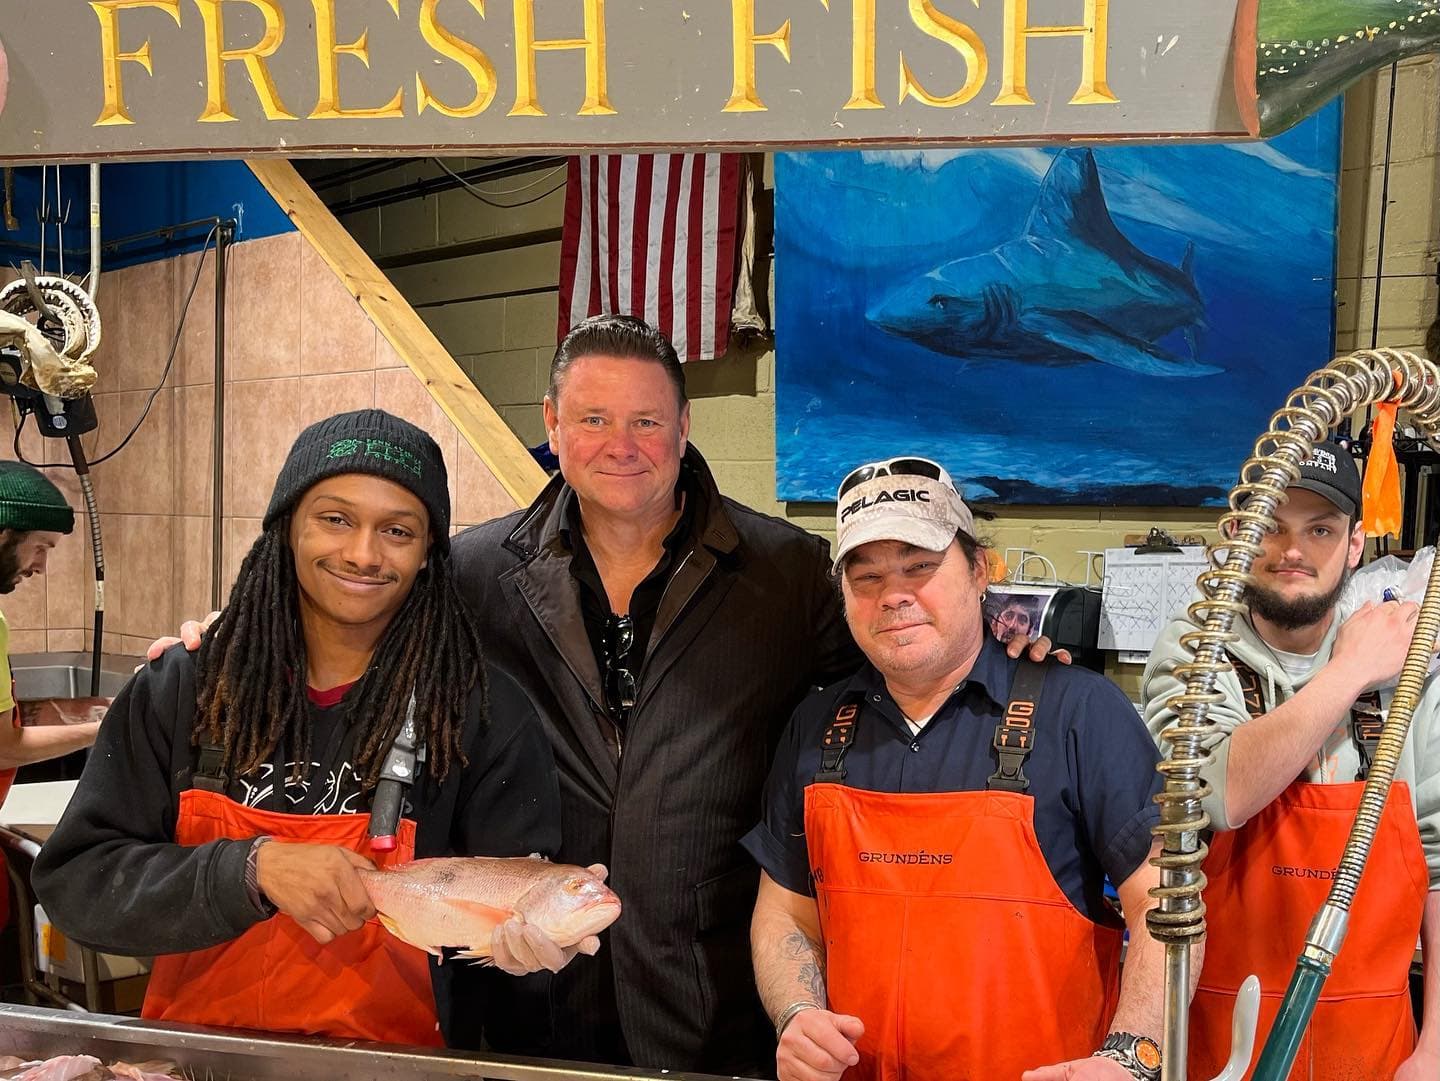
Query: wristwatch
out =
(1138, 1054)
(252, 878)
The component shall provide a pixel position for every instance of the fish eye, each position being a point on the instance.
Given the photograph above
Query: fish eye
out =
(939, 301)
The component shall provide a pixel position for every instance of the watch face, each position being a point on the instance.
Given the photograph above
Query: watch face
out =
(1147, 1053)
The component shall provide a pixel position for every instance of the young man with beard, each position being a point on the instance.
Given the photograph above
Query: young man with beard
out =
(1297, 723)
(33, 518)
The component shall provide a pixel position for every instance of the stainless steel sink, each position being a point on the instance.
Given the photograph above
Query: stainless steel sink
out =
(67, 675)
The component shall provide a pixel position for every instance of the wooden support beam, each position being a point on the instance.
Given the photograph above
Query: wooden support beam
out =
(498, 447)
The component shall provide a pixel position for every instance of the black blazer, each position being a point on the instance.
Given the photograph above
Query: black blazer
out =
(748, 624)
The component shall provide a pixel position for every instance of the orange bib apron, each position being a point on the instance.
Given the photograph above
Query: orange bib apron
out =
(1267, 880)
(366, 985)
(944, 928)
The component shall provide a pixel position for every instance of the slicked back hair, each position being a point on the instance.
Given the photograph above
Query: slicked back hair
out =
(250, 671)
(616, 336)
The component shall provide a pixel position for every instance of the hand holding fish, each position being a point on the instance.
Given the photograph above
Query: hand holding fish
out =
(818, 1045)
(520, 948)
(318, 886)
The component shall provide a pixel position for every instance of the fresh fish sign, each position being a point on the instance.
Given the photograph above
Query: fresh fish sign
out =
(1071, 288)
(150, 78)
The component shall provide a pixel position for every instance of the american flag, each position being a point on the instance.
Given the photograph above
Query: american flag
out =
(654, 235)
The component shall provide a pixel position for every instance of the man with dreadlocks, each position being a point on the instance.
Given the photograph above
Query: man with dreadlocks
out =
(223, 816)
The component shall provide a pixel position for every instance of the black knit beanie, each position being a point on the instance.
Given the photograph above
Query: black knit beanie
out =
(367, 441)
(28, 501)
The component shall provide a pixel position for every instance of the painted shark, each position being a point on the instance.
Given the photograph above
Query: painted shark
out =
(1069, 288)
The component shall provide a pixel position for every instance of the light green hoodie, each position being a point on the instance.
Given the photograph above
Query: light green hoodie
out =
(1338, 759)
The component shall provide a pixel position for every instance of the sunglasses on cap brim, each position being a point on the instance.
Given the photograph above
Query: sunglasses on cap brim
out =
(895, 467)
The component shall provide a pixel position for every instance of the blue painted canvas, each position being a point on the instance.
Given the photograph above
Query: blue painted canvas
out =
(1056, 326)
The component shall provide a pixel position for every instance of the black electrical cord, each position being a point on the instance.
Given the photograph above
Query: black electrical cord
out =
(484, 196)
(169, 363)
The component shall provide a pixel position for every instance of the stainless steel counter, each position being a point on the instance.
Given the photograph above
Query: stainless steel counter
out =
(218, 1055)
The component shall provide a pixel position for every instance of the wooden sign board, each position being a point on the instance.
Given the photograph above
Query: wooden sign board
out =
(106, 79)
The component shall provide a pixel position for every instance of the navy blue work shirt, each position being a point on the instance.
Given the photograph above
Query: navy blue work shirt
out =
(1092, 772)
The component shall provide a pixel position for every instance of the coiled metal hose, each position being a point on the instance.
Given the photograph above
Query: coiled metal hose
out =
(1325, 399)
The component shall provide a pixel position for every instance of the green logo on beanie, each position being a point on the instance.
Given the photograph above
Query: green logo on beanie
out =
(376, 448)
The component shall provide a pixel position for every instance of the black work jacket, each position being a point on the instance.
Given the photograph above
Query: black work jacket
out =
(748, 624)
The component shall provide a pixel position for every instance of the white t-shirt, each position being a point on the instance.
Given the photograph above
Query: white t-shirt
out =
(1297, 665)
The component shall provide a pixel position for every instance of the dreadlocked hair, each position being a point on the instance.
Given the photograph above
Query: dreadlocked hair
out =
(251, 670)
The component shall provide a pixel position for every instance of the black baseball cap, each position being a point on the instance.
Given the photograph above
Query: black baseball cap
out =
(1331, 471)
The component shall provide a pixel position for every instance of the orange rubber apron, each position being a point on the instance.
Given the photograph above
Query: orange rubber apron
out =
(366, 985)
(1267, 880)
(946, 934)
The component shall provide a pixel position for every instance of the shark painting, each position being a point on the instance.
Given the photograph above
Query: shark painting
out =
(1071, 288)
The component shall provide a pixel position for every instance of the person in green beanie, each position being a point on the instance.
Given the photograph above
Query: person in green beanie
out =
(33, 518)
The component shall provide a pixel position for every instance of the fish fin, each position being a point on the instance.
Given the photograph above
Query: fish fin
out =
(1071, 204)
(480, 910)
(1187, 265)
(476, 957)
(394, 928)
(1084, 335)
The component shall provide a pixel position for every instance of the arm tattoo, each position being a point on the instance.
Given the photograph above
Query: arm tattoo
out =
(801, 947)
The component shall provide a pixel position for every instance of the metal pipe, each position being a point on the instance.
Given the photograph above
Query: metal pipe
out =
(1384, 209)
(94, 282)
(1177, 1007)
(224, 235)
(97, 552)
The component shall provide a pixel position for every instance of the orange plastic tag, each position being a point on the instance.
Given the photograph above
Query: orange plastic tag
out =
(1382, 475)
(53, 943)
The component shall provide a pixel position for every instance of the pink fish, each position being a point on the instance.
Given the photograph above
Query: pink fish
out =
(154, 1070)
(60, 1068)
(458, 902)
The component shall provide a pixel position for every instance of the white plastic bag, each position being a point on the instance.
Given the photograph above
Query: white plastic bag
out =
(1369, 583)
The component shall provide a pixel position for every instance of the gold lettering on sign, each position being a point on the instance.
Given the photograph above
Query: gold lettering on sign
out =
(217, 102)
(744, 40)
(328, 53)
(108, 12)
(476, 64)
(959, 37)
(597, 98)
(1095, 32)
(862, 56)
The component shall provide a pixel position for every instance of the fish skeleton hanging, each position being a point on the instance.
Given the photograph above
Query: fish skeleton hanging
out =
(457, 903)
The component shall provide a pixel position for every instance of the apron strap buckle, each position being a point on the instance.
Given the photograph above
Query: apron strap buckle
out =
(1367, 722)
(1015, 734)
(839, 735)
(209, 776)
(1012, 747)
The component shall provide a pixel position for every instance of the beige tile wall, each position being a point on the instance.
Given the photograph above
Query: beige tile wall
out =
(298, 348)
